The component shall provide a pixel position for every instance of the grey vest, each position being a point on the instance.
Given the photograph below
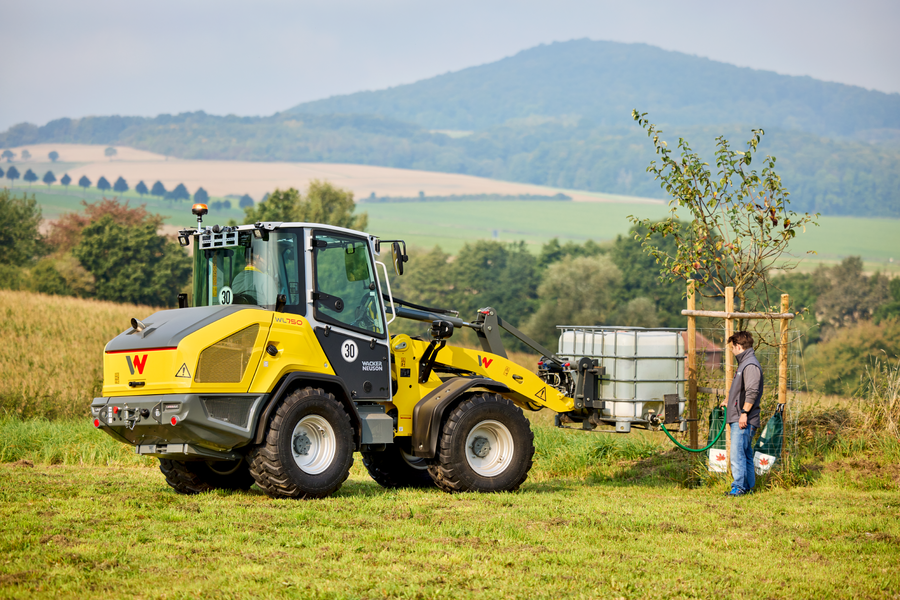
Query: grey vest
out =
(737, 397)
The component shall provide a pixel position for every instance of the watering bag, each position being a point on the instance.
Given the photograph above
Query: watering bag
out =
(718, 458)
(768, 448)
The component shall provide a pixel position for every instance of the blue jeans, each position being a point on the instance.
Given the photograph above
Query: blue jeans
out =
(742, 458)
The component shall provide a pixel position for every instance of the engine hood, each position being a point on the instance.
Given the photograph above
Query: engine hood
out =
(166, 328)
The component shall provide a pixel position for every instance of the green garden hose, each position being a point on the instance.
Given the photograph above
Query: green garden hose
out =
(704, 448)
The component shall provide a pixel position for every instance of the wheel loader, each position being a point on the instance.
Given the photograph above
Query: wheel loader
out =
(280, 365)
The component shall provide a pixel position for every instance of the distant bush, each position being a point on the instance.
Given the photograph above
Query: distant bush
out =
(839, 365)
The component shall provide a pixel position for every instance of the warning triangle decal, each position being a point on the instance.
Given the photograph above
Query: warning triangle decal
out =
(542, 395)
(183, 371)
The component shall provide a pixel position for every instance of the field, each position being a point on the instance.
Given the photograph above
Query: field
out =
(51, 351)
(599, 517)
(222, 177)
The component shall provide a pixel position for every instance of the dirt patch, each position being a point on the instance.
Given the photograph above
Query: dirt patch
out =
(23, 463)
(58, 540)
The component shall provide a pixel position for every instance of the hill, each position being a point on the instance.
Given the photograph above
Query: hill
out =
(602, 81)
(556, 116)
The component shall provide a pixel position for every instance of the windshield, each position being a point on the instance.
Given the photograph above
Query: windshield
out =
(247, 270)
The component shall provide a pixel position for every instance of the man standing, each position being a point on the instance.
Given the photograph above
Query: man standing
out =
(742, 413)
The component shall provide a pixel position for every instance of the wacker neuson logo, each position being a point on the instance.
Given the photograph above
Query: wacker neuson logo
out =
(372, 365)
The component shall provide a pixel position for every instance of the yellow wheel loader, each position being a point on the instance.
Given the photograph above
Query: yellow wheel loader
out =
(283, 366)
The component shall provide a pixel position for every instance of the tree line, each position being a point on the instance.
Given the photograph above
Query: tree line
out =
(179, 192)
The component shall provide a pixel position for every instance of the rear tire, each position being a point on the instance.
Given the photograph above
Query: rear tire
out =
(486, 445)
(308, 449)
(197, 476)
(393, 468)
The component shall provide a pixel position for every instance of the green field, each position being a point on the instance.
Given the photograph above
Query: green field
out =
(599, 517)
(452, 224)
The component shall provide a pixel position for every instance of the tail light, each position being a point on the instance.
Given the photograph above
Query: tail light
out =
(96, 422)
(174, 420)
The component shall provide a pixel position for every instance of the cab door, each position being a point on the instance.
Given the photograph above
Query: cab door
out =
(349, 315)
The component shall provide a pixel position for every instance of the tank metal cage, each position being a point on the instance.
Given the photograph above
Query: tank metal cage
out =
(623, 367)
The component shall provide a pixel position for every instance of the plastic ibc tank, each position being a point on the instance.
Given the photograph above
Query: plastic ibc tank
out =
(642, 366)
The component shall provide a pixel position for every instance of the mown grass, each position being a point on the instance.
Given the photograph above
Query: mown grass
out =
(51, 351)
(599, 517)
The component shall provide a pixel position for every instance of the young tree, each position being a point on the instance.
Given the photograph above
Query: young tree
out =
(8, 155)
(120, 186)
(103, 184)
(141, 188)
(53, 156)
(84, 182)
(49, 178)
(30, 177)
(740, 222)
(12, 174)
(201, 196)
(66, 180)
(158, 190)
(246, 201)
(110, 152)
(26, 155)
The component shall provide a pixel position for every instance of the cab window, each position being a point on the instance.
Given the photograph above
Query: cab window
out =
(345, 290)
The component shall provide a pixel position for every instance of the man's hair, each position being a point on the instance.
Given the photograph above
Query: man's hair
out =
(744, 339)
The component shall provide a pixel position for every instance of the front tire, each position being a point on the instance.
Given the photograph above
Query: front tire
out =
(308, 449)
(196, 477)
(394, 468)
(486, 445)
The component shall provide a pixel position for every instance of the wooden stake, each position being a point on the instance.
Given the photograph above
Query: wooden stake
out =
(692, 364)
(729, 368)
(783, 364)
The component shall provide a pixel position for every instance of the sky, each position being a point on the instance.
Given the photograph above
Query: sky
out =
(106, 57)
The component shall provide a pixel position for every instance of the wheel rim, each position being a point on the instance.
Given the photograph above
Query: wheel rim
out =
(420, 464)
(313, 444)
(489, 448)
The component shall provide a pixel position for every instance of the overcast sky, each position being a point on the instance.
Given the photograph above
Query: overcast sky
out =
(104, 57)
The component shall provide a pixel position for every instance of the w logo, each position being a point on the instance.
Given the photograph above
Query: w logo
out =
(137, 362)
(485, 361)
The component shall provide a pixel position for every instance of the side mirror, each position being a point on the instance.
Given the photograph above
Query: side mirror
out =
(398, 257)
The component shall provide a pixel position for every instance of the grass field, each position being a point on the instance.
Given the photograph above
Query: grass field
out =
(599, 517)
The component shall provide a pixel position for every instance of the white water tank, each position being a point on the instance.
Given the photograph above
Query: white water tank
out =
(642, 366)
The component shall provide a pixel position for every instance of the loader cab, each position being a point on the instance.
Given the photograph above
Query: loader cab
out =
(325, 274)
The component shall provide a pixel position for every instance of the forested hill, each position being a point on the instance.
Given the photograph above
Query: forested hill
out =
(604, 81)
